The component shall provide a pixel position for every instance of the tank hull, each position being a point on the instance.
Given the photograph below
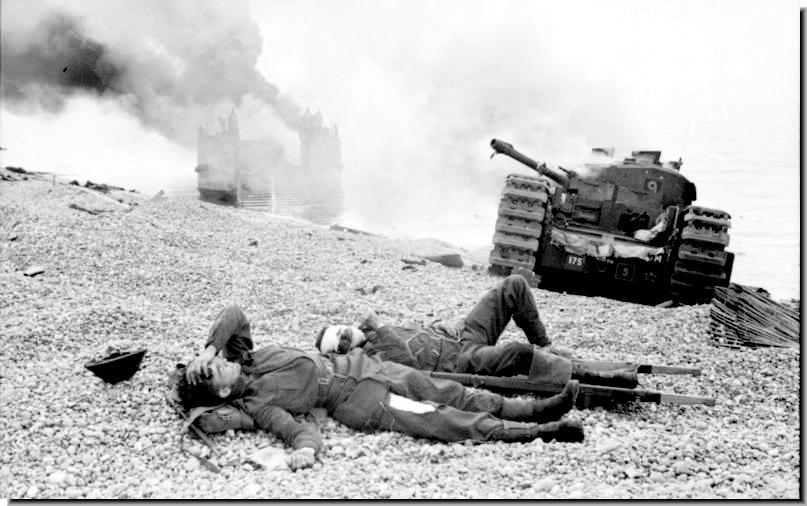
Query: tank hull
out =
(584, 240)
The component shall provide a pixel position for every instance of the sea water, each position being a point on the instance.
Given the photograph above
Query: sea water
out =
(743, 159)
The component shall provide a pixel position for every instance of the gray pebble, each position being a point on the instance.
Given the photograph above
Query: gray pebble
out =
(74, 492)
(57, 478)
(253, 489)
(191, 464)
(543, 484)
(609, 445)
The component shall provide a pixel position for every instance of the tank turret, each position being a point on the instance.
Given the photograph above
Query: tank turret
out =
(628, 224)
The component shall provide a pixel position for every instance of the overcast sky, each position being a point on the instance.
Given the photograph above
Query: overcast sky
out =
(407, 77)
(416, 87)
(692, 51)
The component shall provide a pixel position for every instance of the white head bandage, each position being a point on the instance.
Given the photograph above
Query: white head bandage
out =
(333, 335)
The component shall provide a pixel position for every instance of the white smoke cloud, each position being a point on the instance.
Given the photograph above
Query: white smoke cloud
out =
(419, 88)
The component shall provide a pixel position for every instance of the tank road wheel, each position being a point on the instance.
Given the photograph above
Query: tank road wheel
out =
(522, 210)
(700, 262)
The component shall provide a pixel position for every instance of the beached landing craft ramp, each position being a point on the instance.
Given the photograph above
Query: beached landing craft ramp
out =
(256, 173)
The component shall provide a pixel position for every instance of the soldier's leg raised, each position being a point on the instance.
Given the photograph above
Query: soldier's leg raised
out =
(512, 298)
(550, 368)
(231, 326)
(508, 359)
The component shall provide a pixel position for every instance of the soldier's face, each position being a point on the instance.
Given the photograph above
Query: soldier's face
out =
(223, 374)
(341, 339)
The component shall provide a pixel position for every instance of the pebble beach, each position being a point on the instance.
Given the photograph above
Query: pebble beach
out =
(82, 270)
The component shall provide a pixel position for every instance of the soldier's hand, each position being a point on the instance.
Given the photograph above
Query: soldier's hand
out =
(371, 321)
(301, 458)
(199, 367)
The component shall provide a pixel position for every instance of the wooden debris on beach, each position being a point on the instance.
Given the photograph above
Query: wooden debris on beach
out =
(747, 316)
(94, 212)
(451, 260)
(33, 270)
(340, 228)
(414, 261)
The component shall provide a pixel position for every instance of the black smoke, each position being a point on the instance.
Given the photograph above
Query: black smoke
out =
(168, 63)
(62, 61)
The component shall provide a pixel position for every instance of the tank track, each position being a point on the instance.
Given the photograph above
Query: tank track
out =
(522, 210)
(701, 261)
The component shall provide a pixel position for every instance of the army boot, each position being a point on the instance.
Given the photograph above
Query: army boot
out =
(541, 410)
(552, 408)
(617, 379)
(563, 431)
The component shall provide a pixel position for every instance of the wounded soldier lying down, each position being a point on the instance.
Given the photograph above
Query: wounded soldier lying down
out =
(273, 384)
(470, 346)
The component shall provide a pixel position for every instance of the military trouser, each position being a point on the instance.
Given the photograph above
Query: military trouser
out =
(514, 358)
(510, 299)
(367, 394)
(371, 406)
(484, 324)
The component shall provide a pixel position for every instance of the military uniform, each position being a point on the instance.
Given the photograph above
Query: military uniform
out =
(277, 383)
(469, 346)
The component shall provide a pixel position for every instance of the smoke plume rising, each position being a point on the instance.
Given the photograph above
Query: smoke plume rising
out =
(417, 88)
(168, 63)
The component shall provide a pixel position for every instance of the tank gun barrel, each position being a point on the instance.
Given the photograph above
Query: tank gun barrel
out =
(508, 149)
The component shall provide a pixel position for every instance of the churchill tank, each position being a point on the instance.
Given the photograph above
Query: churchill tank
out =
(626, 228)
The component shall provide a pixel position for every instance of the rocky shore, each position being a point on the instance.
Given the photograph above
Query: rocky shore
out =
(120, 268)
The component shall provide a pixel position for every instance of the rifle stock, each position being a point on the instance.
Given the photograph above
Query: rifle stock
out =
(522, 384)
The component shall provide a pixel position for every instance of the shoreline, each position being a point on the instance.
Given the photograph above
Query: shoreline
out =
(154, 273)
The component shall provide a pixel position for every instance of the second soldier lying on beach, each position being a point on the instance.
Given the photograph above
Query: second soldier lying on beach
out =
(471, 345)
(273, 384)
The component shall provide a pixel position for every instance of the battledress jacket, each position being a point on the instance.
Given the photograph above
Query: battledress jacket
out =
(277, 387)
(433, 348)
(438, 347)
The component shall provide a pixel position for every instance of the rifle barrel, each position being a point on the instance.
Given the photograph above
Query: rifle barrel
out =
(524, 384)
(669, 369)
(607, 365)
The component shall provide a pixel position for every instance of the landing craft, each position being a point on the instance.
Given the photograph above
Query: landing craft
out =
(254, 173)
(628, 230)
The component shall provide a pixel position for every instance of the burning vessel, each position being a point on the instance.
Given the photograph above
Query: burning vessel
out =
(255, 173)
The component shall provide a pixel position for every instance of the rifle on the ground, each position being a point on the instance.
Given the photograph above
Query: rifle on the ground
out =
(188, 419)
(605, 365)
(589, 396)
